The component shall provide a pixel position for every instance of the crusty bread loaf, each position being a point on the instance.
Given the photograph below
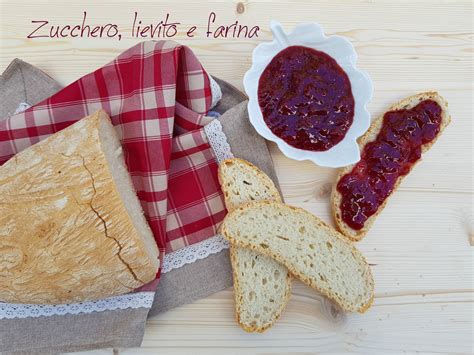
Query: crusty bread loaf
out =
(261, 285)
(370, 136)
(316, 254)
(71, 226)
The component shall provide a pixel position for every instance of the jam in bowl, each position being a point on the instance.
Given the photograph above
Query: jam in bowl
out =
(307, 96)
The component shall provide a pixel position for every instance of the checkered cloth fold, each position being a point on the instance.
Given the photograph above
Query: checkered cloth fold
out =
(157, 94)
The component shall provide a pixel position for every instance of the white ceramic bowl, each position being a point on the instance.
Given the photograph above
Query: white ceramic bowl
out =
(311, 35)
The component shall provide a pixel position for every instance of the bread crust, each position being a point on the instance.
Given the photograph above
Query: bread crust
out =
(259, 173)
(79, 242)
(371, 135)
(244, 326)
(233, 257)
(304, 278)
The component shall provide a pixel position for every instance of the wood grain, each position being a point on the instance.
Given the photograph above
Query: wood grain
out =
(421, 245)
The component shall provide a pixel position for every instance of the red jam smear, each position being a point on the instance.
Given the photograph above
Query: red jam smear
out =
(391, 155)
(306, 98)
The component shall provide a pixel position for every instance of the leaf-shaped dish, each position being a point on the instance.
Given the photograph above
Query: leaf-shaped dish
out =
(311, 35)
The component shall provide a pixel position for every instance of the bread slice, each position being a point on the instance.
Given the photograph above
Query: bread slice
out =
(316, 254)
(261, 285)
(71, 226)
(370, 136)
(242, 182)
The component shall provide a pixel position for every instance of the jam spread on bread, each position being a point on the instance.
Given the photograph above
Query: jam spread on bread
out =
(395, 150)
(306, 98)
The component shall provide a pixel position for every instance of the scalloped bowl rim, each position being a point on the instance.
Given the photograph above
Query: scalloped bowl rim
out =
(311, 35)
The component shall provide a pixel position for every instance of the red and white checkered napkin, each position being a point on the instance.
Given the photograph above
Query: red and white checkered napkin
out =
(156, 93)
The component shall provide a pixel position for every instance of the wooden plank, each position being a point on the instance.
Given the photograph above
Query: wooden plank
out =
(399, 323)
(392, 45)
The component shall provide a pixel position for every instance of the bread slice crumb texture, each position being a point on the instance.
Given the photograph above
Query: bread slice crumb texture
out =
(261, 285)
(313, 252)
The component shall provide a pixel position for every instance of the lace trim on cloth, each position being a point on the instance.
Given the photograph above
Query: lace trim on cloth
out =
(25, 105)
(131, 300)
(218, 140)
(216, 91)
(192, 253)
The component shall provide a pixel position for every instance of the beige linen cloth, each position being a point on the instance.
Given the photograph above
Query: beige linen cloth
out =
(21, 85)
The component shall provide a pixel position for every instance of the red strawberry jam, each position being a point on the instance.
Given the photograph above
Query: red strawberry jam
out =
(306, 98)
(391, 155)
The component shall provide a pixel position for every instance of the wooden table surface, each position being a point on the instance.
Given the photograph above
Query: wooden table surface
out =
(421, 247)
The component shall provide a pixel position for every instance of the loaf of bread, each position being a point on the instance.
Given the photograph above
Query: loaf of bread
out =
(71, 226)
(261, 285)
(314, 253)
(369, 137)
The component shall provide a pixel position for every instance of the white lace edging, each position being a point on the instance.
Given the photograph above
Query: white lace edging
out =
(216, 92)
(192, 253)
(131, 300)
(174, 260)
(25, 105)
(218, 140)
